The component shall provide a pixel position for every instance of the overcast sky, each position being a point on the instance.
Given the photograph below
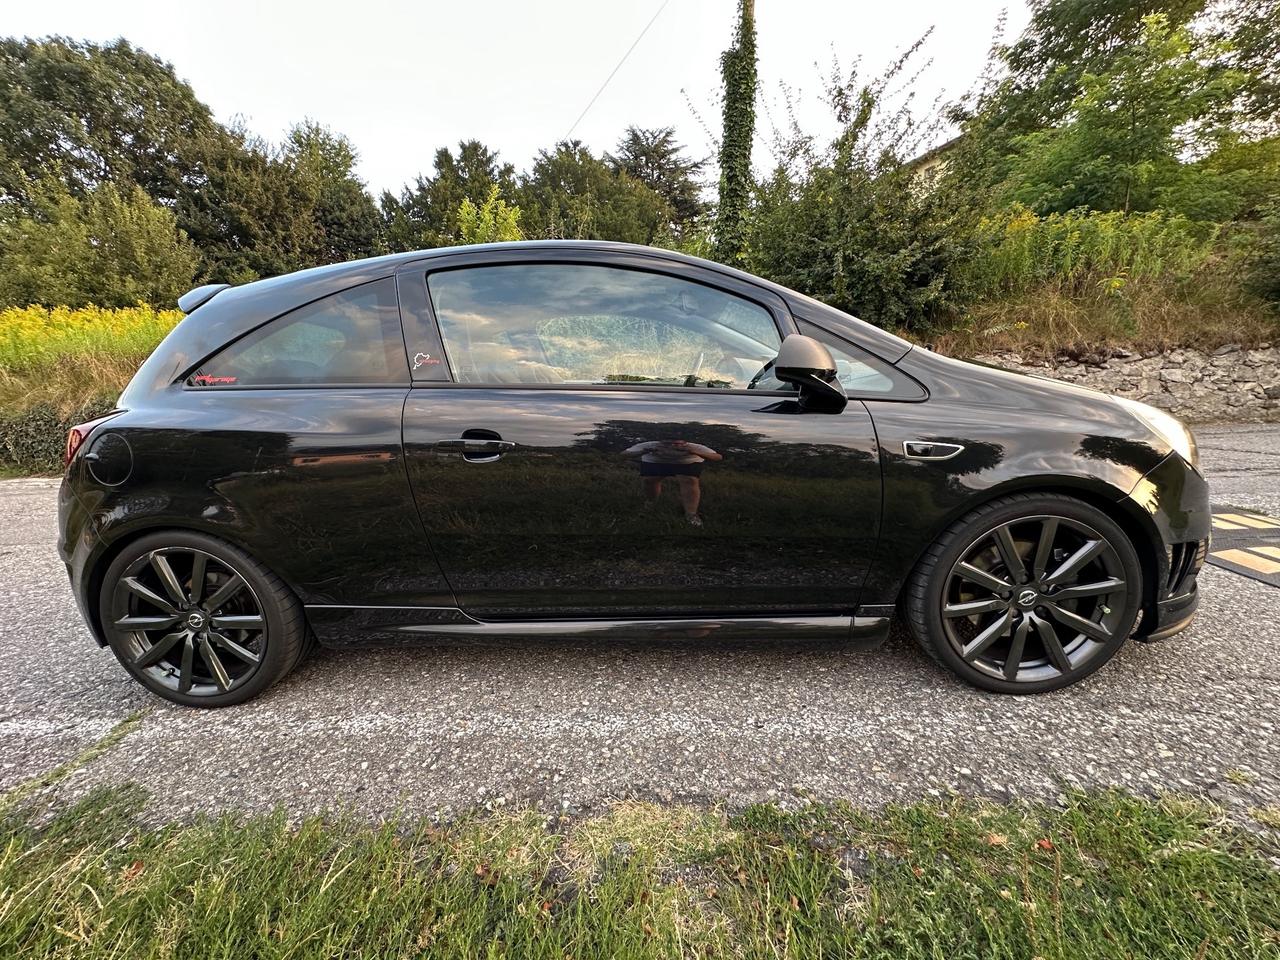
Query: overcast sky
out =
(403, 78)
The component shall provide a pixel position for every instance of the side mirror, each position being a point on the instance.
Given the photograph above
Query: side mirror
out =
(809, 365)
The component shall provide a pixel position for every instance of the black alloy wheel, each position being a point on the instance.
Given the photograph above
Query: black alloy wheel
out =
(1028, 600)
(199, 622)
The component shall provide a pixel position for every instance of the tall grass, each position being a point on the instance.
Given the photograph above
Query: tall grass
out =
(38, 338)
(1018, 250)
(60, 366)
(1086, 282)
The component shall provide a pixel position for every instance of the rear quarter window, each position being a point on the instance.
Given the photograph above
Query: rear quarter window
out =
(352, 337)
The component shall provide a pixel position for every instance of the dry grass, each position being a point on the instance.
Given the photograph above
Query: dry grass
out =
(1140, 317)
(661, 835)
(1267, 816)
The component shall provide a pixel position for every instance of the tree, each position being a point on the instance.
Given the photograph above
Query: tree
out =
(570, 193)
(347, 220)
(1068, 40)
(91, 114)
(1249, 35)
(248, 211)
(426, 214)
(738, 70)
(656, 159)
(1130, 131)
(1035, 80)
(112, 247)
(491, 222)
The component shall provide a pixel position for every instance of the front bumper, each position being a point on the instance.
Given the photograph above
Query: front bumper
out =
(1175, 497)
(1173, 615)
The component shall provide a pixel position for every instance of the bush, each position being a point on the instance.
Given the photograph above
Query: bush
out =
(852, 224)
(113, 247)
(1260, 249)
(32, 440)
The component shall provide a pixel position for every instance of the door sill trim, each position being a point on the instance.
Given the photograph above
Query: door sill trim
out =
(368, 625)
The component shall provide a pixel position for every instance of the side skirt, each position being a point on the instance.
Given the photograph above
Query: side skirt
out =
(396, 626)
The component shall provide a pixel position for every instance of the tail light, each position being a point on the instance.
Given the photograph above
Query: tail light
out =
(77, 435)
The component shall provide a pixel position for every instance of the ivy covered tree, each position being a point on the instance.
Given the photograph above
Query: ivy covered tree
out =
(738, 70)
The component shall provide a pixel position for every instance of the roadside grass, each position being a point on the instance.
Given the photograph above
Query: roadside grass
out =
(1104, 875)
(1047, 321)
(59, 367)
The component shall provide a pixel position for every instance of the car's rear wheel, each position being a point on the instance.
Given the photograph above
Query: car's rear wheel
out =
(1026, 594)
(198, 621)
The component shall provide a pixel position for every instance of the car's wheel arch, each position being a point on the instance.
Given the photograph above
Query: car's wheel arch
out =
(1112, 501)
(117, 543)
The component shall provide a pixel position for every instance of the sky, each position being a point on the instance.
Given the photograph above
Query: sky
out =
(401, 79)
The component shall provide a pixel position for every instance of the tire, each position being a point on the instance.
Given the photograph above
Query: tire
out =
(995, 638)
(167, 632)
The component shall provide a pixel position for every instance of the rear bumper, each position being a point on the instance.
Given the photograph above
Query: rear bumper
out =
(78, 546)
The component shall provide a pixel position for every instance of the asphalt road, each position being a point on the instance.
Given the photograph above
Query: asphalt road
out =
(570, 725)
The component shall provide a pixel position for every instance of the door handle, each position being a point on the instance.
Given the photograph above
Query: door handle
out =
(475, 449)
(472, 445)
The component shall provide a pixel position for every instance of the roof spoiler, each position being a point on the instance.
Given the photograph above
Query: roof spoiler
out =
(200, 296)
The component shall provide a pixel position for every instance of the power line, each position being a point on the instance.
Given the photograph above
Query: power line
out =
(616, 69)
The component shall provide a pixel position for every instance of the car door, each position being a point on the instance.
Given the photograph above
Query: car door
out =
(584, 439)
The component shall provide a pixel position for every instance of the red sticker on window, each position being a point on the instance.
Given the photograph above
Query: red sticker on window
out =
(205, 380)
(424, 360)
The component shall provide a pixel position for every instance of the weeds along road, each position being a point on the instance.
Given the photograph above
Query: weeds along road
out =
(571, 725)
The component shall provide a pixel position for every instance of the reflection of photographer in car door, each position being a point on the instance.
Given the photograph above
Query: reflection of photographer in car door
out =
(681, 459)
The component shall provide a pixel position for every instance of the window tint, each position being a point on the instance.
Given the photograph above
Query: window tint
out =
(349, 337)
(580, 324)
(858, 373)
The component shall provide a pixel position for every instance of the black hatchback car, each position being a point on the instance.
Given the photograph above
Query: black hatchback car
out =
(604, 440)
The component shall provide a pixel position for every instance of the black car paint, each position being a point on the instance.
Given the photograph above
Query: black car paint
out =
(384, 536)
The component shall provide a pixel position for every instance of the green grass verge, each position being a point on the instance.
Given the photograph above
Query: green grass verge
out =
(1105, 876)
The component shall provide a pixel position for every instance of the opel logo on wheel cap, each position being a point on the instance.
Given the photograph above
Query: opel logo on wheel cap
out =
(196, 620)
(1027, 598)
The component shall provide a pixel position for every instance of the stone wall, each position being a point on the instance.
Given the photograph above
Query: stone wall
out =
(1230, 383)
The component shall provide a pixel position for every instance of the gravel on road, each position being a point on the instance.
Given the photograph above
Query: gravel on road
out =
(567, 725)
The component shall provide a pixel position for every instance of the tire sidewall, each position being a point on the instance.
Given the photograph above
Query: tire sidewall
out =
(969, 529)
(277, 659)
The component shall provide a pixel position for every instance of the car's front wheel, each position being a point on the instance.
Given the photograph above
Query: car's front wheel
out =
(198, 621)
(1026, 594)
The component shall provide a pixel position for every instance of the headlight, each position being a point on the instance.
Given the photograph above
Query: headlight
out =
(1169, 428)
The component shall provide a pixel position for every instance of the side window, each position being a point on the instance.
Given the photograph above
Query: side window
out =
(859, 373)
(588, 324)
(348, 337)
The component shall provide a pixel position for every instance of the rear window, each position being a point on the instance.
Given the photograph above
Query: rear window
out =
(352, 337)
